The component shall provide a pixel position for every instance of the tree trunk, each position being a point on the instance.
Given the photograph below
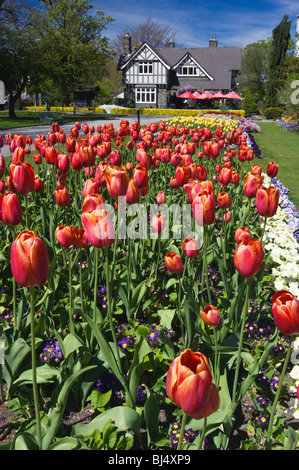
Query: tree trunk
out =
(12, 102)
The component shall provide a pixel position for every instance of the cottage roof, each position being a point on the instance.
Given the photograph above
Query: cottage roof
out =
(217, 61)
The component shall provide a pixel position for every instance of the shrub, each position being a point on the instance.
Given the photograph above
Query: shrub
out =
(274, 112)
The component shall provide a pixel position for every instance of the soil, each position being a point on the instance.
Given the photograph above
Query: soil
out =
(73, 417)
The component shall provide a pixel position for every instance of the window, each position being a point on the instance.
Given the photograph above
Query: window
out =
(145, 67)
(188, 70)
(145, 95)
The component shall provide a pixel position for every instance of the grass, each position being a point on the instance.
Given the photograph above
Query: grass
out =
(31, 118)
(282, 147)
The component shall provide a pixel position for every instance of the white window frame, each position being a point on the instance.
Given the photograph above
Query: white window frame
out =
(191, 70)
(145, 95)
(145, 67)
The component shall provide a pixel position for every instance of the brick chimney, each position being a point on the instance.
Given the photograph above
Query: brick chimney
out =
(213, 42)
(127, 44)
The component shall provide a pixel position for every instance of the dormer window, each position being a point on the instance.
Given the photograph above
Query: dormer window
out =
(188, 70)
(145, 67)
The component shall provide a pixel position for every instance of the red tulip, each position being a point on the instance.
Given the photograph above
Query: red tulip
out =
(141, 176)
(272, 169)
(227, 216)
(203, 207)
(251, 185)
(249, 257)
(210, 315)
(10, 209)
(133, 192)
(64, 235)
(29, 260)
(79, 237)
(98, 227)
(224, 200)
(62, 196)
(2, 186)
(267, 201)
(38, 185)
(225, 175)
(190, 247)
(117, 180)
(63, 162)
(189, 384)
(285, 310)
(92, 202)
(22, 176)
(160, 198)
(91, 186)
(18, 155)
(37, 158)
(173, 262)
(158, 222)
(242, 234)
(2, 165)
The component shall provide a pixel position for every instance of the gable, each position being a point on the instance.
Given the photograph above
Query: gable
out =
(144, 53)
(189, 67)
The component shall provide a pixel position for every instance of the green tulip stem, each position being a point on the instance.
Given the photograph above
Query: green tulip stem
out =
(205, 265)
(26, 210)
(244, 318)
(182, 430)
(277, 395)
(217, 357)
(96, 275)
(202, 436)
(264, 228)
(34, 378)
(110, 318)
(71, 320)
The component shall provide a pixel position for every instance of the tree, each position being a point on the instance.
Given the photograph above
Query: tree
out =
(72, 48)
(281, 37)
(255, 68)
(150, 32)
(17, 51)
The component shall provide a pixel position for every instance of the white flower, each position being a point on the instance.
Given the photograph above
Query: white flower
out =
(294, 374)
(295, 409)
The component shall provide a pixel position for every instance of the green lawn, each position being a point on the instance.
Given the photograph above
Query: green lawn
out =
(281, 147)
(31, 118)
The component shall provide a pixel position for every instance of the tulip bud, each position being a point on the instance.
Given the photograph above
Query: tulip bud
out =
(285, 310)
(173, 262)
(190, 247)
(64, 235)
(62, 196)
(267, 201)
(189, 384)
(22, 175)
(98, 227)
(242, 234)
(29, 260)
(160, 198)
(249, 257)
(10, 209)
(210, 315)
(272, 169)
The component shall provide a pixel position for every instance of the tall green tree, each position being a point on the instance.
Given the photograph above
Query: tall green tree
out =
(280, 43)
(255, 68)
(18, 48)
(73, 49)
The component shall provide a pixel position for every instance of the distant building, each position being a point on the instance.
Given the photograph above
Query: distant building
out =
(153, 76)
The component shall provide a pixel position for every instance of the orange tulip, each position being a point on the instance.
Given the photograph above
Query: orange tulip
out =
(133, 192)
(224, 200)
(251, 185)
(203, 207)
(249, 257)
(62, 196)
(29, 260)
(242, 234)
(189, 384)
(173, 262)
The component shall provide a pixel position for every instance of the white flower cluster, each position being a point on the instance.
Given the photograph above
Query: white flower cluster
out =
(284, 251)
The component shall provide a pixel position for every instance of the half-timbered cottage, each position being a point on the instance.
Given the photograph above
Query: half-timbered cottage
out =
(153, 76)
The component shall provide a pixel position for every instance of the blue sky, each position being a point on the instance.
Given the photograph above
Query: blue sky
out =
(234, 23)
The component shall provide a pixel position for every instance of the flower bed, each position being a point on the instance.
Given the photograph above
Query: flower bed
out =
(144, 281)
